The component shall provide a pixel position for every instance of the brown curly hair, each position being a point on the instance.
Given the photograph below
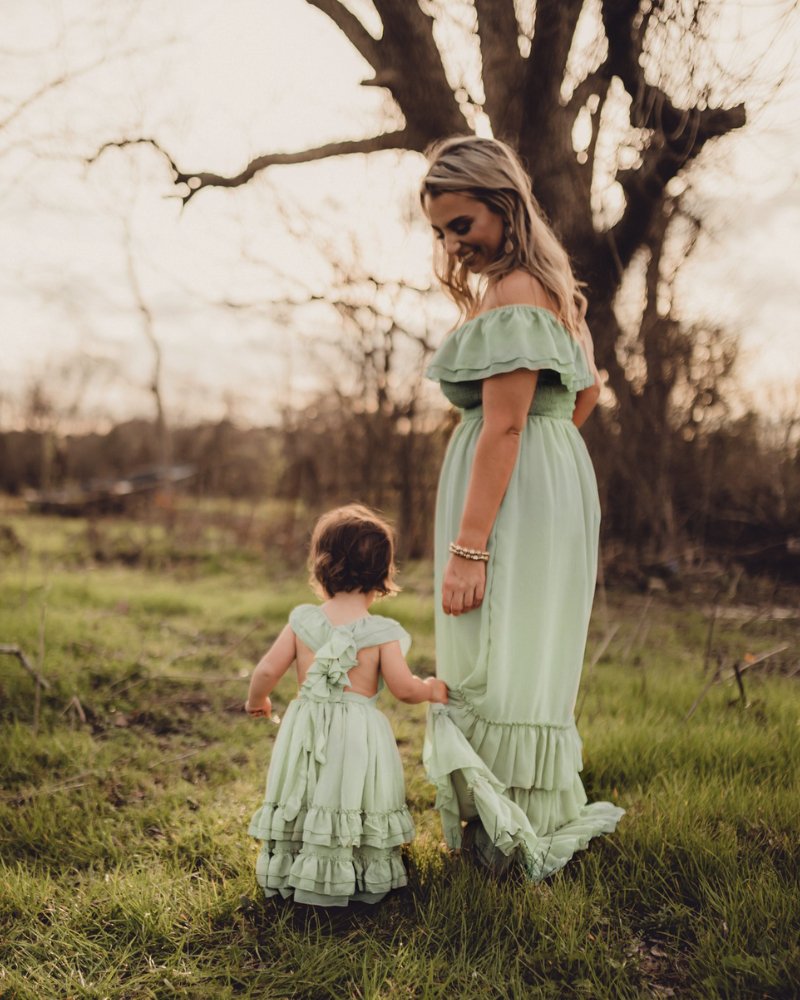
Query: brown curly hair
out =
(352, 549)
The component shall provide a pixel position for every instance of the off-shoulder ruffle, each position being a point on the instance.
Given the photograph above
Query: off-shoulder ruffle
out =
(509, 338)
(465, 784)
(521, 754)
(328, 826)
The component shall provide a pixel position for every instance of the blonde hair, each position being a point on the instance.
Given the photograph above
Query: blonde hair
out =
(492, 173)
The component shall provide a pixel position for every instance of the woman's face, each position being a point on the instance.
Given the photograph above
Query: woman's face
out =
(470, 230)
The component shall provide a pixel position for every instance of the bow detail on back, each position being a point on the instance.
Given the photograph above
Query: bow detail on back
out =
(332, 661)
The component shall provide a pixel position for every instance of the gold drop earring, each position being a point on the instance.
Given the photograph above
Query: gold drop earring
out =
(508, 246)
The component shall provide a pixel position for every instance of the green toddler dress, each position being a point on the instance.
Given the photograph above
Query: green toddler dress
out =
(334, 813)
(504, 753)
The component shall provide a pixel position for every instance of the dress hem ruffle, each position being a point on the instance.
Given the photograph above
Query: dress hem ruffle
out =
(329, 826)
(332, 877)
(454, 767)
(521, 754)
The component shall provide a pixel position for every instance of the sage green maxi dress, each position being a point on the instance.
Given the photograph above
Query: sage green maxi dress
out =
(334, 812)
(505, 753)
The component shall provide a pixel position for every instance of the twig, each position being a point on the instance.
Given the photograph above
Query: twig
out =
(710, 636)
(76, 781)
(603, 646)
(37, 695)
(593, 663)
(170, 760)
(74, 704)
(635, 635)
(739, 667)
(240, 640)
(739, 682)
(748, 664)
(707, 687)
(26, 663)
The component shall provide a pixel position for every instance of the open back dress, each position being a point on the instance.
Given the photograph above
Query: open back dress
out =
(334, 813)
(504, 753)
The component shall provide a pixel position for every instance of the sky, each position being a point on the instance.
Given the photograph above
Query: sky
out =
(217, 84)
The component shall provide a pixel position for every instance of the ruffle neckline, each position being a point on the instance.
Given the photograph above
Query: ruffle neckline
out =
(507, 339)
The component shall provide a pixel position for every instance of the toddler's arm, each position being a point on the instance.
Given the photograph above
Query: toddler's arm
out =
(271, 667)
(403, 684)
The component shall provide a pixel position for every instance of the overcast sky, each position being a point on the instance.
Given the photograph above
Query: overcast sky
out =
(218, 84)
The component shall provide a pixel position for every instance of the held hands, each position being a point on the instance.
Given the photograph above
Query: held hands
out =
(463, 585)
(264, 710)
(438, 690)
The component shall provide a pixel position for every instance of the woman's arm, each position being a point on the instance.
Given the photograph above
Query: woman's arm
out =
(271, 667)
(404, 685)
(586, 399)
(585, 402)
(506, 401)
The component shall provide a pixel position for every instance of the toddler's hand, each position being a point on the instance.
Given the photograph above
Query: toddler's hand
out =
(258, 711)
(438, 690)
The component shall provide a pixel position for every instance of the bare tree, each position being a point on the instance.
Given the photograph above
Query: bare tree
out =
(148, 328)
(367, 432)
(610, 103)
(640, 80)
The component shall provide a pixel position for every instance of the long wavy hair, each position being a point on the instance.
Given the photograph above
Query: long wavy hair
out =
(491, 172)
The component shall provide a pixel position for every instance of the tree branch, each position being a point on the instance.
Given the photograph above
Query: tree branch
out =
(351, 28)
(546, 134)
(678, 134)
(197, 181)
(503, 66)
(553, 33)
(422, 91)
(13, 650)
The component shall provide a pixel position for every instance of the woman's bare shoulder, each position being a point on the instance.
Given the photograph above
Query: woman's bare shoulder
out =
(519, 288)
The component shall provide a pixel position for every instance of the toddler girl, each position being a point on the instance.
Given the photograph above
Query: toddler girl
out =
(334, 814)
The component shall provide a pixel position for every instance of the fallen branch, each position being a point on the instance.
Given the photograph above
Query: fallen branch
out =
(593, 663)
(180, 756)
(74, 705)
(26, 663)
(68, 785)
(748, 664)
(637, 631)
(739, 667)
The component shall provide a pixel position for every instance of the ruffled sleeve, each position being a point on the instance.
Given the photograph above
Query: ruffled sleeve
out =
(507, 339)
(376, 629)
(309, 625)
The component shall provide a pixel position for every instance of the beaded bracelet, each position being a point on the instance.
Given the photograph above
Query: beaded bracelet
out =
(475, 554)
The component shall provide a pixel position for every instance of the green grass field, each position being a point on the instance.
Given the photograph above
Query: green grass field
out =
(128, 785)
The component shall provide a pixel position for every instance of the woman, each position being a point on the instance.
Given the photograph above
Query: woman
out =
(517, 520)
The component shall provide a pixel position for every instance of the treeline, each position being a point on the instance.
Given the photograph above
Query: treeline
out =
(728, 490)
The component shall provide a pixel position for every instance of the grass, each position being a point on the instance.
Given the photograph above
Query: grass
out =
(126, 870)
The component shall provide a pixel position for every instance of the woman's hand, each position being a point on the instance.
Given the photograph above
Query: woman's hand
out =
(463, 585)
(263, 710)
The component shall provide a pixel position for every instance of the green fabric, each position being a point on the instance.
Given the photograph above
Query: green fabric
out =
(334, 813)
(505, 751)
(507, 339)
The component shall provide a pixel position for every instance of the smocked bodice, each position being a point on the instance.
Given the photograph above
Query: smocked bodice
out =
(508, 339)
(551, 398)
